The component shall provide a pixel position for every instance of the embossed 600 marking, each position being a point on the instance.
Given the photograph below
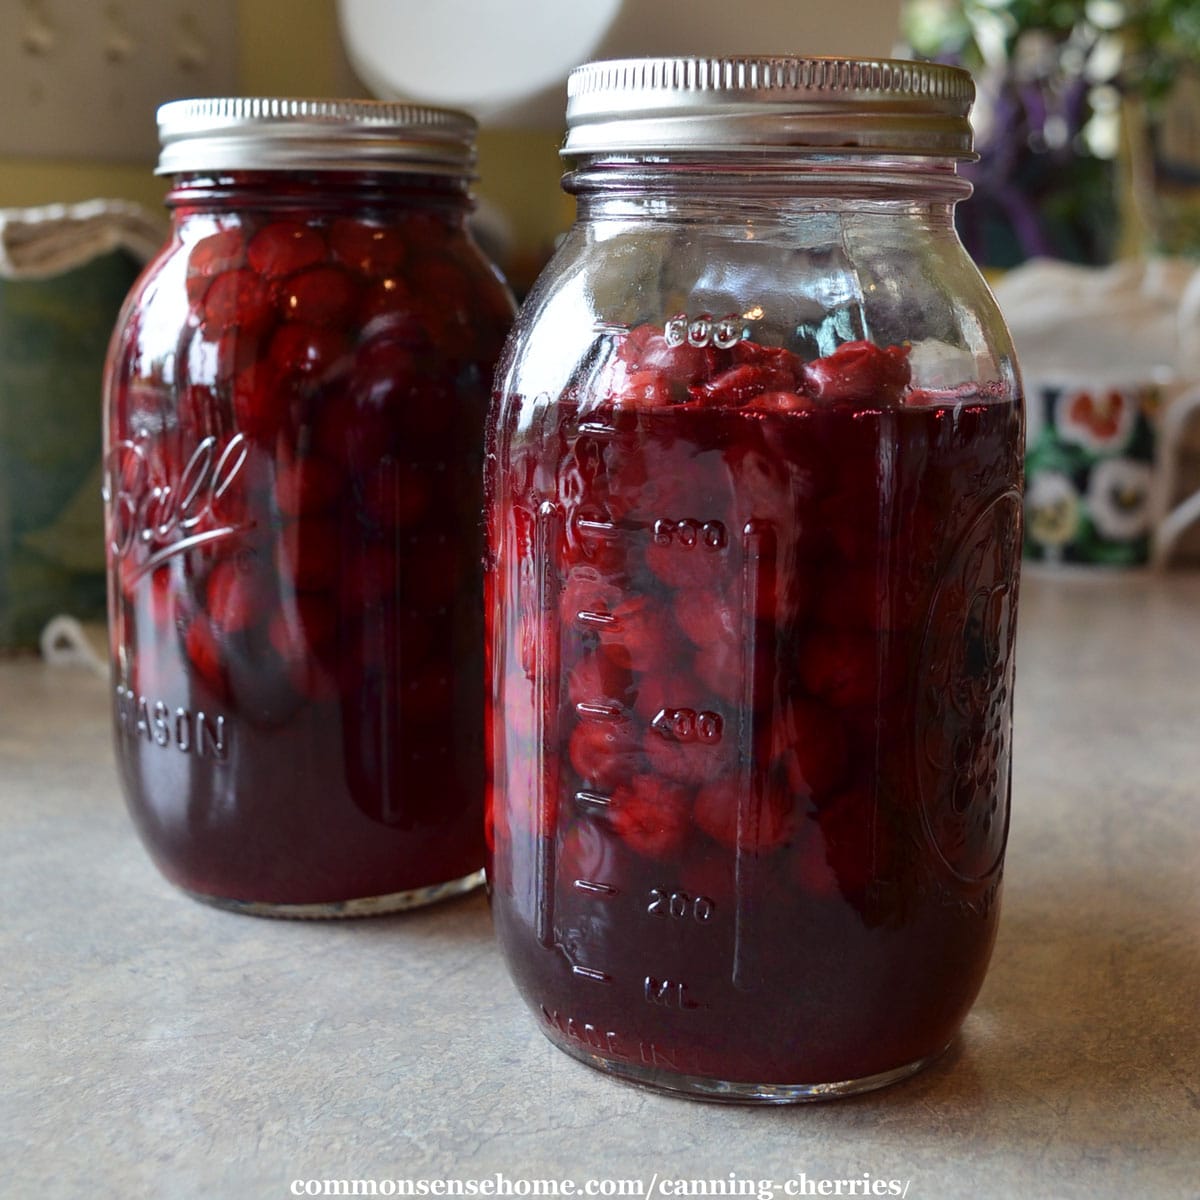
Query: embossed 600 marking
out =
(704, 330)
(688, 533)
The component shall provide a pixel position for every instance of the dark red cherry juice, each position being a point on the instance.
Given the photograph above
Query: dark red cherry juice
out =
(752, 664)
(296, 406)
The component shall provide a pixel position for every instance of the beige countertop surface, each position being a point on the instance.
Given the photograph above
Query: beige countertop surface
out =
(153, 1047)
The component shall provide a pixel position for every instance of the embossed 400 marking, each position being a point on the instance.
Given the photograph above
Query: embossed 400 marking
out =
(688, 725)
(689, 533)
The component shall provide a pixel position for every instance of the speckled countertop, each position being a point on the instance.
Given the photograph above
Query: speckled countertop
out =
(153, 1047)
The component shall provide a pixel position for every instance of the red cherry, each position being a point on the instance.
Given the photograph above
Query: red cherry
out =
(283, 247)
(372, 575)
(238, 299)
(705, 616)
(210, 257)
(310, 553)
(639, 637)
(234, 598)
(644, 389)
(304, 627)
(739, 385)
(367, 248)
(318, 296)
(777, 359)
(308, 485)
(205, 655)
(689, 761)
(162, 597)
(433, 569)
(844, 667)
(671, 485)
(689, 557)
(868, 597)
(770, 818)
(392, 494)
(199, 413)
(217, 252)
(261, 400)
(669, 688)
(387, 299)
(859, 373)
(595, 680)
(604, 753)
(781, 402)
(650, 816)
(630, 344)
(308, 350)
(683, 365)
(302, 635)
(809, 743)
(720, 667)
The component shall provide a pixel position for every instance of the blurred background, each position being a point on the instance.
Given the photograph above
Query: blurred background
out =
(1088, 119)
(1088, 126)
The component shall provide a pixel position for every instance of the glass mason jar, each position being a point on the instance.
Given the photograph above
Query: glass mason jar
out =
(754, 538)
(295, 404)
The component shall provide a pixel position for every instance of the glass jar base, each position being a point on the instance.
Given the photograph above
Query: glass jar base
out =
(700, 1087)
(365, 906)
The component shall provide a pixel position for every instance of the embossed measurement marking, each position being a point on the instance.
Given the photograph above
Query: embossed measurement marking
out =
(610, 327)
(590, 973)
(598, 712)
(597, 429)
(593, 800)
(668, 993)
(548, 540)
(598, 619)
(592, 888)
(597, 528)
(758, 559)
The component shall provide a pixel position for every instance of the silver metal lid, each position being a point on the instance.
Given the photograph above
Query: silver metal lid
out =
(760, 105)
(270, 134)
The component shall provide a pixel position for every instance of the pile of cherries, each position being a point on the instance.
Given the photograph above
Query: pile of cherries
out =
(330, 371)
(844, 484)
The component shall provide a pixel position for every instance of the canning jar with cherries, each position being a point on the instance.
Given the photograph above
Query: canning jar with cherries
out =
(295, 404)
(754, 534)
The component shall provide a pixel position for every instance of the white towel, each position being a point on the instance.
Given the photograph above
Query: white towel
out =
(1134, 319)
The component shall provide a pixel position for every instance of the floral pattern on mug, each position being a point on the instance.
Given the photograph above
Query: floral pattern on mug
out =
(1100, 420)
(1051, 509)
(1118, 498)
(1089, 473)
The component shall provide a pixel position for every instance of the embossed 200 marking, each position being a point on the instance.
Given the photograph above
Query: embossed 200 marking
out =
(680, 906)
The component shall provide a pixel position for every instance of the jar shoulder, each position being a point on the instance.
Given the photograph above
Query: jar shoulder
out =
(807, 284)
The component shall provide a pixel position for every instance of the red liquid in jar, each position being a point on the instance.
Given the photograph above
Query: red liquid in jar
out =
(293, 498)
(752, 664)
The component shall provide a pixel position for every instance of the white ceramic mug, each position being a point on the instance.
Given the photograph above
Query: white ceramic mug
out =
(1102, 467)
